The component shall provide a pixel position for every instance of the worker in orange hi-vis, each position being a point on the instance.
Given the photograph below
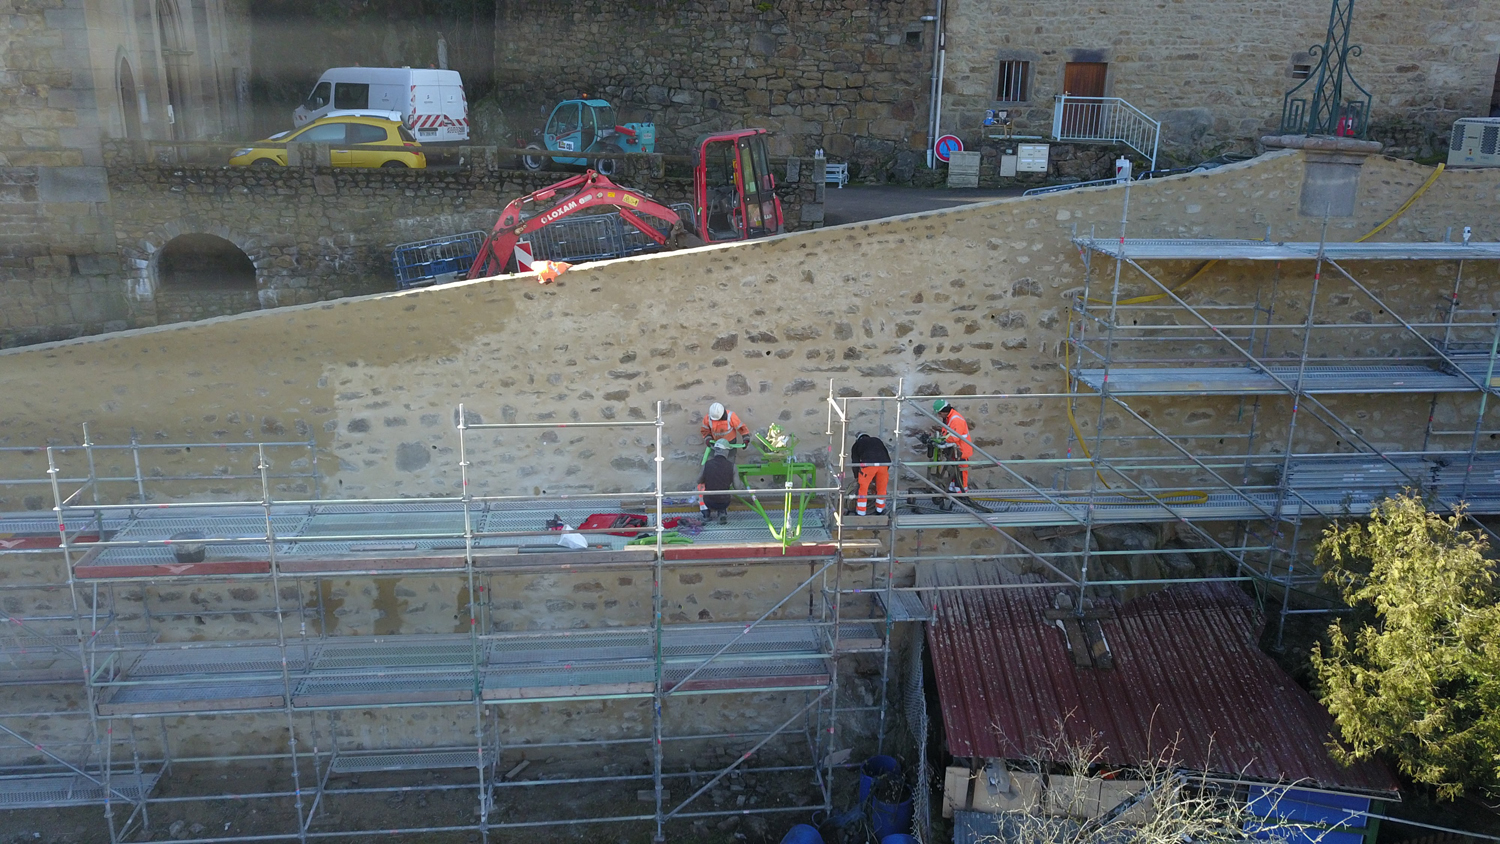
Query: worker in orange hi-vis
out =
(723, 424)
(874, 461)
(957, 442)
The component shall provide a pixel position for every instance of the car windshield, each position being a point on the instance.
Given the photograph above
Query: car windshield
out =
(405, 135)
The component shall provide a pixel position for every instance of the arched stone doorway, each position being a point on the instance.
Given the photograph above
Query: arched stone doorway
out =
(203, 275)
(130, 104)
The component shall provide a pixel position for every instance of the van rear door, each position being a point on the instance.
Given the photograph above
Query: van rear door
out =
(426, 108)
(456, 112)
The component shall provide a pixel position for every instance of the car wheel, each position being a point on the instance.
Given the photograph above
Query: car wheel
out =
(393, 165)
(264, 162)
(535, 162)
(608, 166)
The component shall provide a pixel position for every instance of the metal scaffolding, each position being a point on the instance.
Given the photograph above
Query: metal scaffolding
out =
(1236, 418)
(119, 540)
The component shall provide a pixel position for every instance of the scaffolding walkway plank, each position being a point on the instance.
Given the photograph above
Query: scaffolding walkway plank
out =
(51, 658)
(1207, 249)
(1319, 486)
(57, 790)
(310, 538)
(906, 606)
(1316, 379)
(419, 759)
(437, 668)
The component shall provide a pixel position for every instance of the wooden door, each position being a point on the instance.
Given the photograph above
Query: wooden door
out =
(1083, 79)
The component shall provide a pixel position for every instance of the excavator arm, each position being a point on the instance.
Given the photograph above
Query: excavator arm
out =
(574, 194)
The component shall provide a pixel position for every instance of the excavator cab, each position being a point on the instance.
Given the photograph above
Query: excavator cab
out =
(734, 191)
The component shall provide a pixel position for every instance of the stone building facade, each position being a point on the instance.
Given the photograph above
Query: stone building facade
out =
(849, 76)
(76, 73)
(854, 78)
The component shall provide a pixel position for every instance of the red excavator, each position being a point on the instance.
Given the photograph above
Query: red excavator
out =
(734, 199)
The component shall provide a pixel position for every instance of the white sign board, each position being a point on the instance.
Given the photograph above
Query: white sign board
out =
(963, 169)
(1031, 158)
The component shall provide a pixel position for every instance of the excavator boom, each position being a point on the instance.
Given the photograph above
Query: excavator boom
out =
(582, 192)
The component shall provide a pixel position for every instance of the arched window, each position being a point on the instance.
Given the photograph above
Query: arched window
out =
(130, 104)
(204, 262)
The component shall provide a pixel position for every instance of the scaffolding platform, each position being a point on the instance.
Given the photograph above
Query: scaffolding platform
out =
(423, 759)
(313, 539)
(22, 790)
(30, 658)
(1316, 379)
(1318, 486)
(1448, 476)
(906, 606)
(513, 668)
(1025, 508)
(1193, 249)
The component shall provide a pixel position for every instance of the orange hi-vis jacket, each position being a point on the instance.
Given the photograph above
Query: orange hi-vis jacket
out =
(960, 435)
(729, 428)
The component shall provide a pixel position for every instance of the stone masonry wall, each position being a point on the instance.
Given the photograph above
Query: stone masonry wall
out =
(848, 76)
(854, 78)
(1215, 75)
(971, 300)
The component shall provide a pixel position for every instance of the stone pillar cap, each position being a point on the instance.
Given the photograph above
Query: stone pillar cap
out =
(1322, 143)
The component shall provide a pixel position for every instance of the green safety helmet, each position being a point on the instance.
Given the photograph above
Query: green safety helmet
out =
(939, 406)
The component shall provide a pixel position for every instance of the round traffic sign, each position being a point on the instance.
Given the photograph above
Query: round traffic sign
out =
(946, 146)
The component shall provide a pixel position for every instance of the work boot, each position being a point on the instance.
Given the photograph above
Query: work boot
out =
(724, 519)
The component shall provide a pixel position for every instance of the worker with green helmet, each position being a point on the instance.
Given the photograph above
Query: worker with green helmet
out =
(956, 442)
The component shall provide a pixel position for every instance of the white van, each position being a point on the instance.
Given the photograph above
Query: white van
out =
(431, 102)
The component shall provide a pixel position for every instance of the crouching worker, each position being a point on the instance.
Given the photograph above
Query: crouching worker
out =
(874, 460)
(718, 474)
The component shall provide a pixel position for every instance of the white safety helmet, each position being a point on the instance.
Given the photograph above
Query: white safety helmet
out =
(721, 446)
(716, 411)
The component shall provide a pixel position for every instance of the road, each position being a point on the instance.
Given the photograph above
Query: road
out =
(857, 203)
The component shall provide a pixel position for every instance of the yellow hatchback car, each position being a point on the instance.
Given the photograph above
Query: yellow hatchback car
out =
(349, 138)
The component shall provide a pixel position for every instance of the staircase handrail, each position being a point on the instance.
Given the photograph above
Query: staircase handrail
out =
(1106, 119)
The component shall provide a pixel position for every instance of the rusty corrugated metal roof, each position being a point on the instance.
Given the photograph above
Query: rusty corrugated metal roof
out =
(1187, 671)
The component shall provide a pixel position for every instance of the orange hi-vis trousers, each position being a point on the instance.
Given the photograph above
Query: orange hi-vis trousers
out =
(878, 477)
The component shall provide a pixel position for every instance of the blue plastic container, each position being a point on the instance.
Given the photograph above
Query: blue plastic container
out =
(802, 834)
(900, 838)
(890, 819)
(875, 768)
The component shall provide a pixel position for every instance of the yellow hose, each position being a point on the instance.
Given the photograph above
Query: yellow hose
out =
(1196, 496)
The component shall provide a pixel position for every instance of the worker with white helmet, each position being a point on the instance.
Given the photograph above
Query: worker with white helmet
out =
(723, 424)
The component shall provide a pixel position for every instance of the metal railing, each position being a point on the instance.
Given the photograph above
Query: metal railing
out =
(1105, 119)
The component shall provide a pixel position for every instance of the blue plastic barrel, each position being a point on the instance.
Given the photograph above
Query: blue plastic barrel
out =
(802, 834)
(890, 819)
(875, 768)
